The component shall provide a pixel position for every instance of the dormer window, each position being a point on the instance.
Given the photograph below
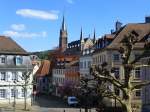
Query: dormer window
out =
(2, 59)
(19, 60)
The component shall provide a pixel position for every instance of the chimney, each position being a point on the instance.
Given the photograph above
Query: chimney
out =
(118, 25)
(112, 31)
(147, 19)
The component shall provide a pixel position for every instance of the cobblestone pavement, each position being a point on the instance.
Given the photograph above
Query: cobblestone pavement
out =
(44, 104)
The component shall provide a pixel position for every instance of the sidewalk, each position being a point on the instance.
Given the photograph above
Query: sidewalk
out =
(39, 109)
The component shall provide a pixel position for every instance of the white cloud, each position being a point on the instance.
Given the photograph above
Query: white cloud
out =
(24, 34)
(70, 1)
(18, 27)
(39, 14)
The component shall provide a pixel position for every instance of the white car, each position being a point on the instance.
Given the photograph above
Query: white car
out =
(72, 101)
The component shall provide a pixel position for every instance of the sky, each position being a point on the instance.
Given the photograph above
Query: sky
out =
(35, 24)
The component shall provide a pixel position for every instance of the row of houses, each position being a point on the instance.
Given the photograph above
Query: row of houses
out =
(71, 61)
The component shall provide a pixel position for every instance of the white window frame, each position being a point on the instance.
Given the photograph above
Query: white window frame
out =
(14, 76)
(3, 60)
(137, 73)
(116, 57)
(2, 93)
(4, 76)
(19, 60)
(136, 91)
(22, 92)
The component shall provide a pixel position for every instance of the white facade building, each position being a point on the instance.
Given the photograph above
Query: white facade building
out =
(110, 54)
(85, 63)
(146, 76)
(15, 65)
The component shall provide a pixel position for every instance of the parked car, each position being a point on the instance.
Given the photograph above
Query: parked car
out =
(72, 101)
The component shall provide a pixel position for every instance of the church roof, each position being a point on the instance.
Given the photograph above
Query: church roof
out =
(77, 42)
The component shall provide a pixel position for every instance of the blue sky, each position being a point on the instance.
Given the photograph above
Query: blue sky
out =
(35, 24)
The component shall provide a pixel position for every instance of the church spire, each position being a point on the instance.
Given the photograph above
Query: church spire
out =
(63, 24)
(94, 37)
(81, 35)
(63, 38)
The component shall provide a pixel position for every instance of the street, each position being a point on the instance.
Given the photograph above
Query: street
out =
(46, 104)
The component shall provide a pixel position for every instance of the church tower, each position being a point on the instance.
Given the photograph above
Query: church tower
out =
(94, 37)
(81, 40)
(63, 41)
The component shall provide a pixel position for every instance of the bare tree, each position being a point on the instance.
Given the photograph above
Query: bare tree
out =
(27, 82)
(127, 86)
(91, 90)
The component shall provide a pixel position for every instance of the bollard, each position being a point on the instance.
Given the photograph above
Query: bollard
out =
(64, 110)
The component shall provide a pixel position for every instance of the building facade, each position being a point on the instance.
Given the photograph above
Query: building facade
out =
(15, 65)
(43, 77)
(110, 54)
(85, 63)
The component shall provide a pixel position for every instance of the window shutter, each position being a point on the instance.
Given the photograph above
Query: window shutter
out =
(14, 60)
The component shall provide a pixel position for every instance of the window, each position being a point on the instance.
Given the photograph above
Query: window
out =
(19, 60)
(89, 64)
(138, 93)
(22, 93)
(43, 80)
(2, 93)
(116, 73)
(104, 58)
(3, 60)
(85, 64)
(3, 76)
(136, 56)
(117, 92)
(14, 92)
(137, 73)
(14, 76)
(116, 57)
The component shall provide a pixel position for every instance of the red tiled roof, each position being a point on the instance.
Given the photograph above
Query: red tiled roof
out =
(141, 29)
(44, 68)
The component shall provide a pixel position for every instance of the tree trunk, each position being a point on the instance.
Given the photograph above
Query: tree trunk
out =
(25, 98)
(128, 107)
(86, 109)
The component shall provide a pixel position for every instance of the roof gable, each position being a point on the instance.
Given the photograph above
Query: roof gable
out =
(141, 30)
(9, 46)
